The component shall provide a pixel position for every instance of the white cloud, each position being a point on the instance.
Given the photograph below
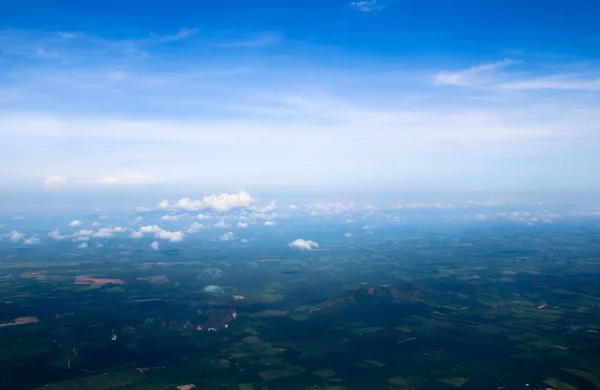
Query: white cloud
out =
(331, 208)
(269, 223)
(293, 207)
(95, 223)
(348, 235)
(303, 244)
(55, 181)
(154, 246)
(137, 234)
(31, 241)
(266, 208)
(151, 229)
(82, 245)
(221, 224)
(194, 227)
(56, 235)
(475, 75)
(164, 204)
(119, 229)
(367, 5)
(138, 219)
(104, 233)
(212, 289)
(243, 240)
(242, 225)
(84, 232)
(104, 217)
(173, 217)
(221, 203)
(75, 223)
(227, 236)
(171, 236)
(203, 216)
(18, 218)
(142, 209)
(181, 34)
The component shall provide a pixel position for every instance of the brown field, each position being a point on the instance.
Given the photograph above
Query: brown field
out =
(85, 279)
(21, 321)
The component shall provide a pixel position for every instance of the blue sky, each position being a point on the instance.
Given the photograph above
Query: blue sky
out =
(385, 95)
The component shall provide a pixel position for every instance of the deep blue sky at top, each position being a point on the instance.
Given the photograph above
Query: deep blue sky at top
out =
(408, 26)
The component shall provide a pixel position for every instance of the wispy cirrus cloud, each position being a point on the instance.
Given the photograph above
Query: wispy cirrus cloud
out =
(476, 75)
(179, 35)
(367, 5)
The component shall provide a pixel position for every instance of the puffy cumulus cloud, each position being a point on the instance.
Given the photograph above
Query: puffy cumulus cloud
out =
(303, 244)
(55, 234)
(55, 181)
(242, 225)
(195, 227)
(137, 234)
(203, 216)
(212, 289)
(266, 208)
(220, 203)
(83, 245)
(221, 224)
(150, 229)
(103, 233)
(331, 208)
(171, 236)
(243, 241)
(119, 229)
(227, 237)
(84, 232)
(31, 241)
(95, 223)
(154, 246)
(269, 223)
(348, 235)
(75, 223)
(176, 217)
(16, 236)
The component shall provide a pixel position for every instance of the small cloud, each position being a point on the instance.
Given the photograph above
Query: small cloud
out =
(212, 289)
(31, 241)
(221, 224)
(164, 204)
(154, 246)
(142, 209)
(293, 207)
(56, 235)
(104, 233)
(203, 216)
(18, 218)
(475, 75)
(55, 181)
(173, 217)
(75, 223)
(269, 223)
(151, 229)
(95, 223)
(127, 179)
(104, 217)
(348, 235)
(367, 6)
(99, 245)
(243, 240)
(194, 227)
(82, 245)
(303, 244)
(84, 232)
(137, 234)
(171, 236)
(242, 225)
(227, 237)
(220, 203)
(181, 34)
